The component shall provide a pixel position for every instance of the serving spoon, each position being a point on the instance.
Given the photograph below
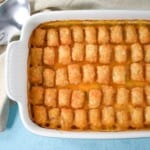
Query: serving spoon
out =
(13, 14)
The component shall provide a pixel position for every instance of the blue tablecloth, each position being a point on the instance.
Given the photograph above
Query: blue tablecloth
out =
(16, 137)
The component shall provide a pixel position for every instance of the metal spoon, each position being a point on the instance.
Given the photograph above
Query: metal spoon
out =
(13, 14)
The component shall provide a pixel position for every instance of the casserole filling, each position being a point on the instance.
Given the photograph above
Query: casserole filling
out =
(90, 75)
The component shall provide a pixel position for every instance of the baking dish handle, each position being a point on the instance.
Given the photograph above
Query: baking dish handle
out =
(16, 58)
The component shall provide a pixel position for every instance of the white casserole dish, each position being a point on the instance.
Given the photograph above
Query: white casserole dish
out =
(16, 69)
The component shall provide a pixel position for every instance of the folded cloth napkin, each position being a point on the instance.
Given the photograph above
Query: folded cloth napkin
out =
(40, 5)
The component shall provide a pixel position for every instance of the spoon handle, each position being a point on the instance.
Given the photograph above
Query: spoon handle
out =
(7, 33)
(3, 37)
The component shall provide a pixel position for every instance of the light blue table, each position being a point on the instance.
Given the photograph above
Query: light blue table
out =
(16, 137)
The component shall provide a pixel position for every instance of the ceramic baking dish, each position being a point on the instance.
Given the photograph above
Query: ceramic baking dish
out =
(16, 69)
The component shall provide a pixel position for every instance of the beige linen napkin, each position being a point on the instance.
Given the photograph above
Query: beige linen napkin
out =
(40, 5)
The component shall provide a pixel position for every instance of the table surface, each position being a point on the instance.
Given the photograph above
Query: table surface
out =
(16, 136)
